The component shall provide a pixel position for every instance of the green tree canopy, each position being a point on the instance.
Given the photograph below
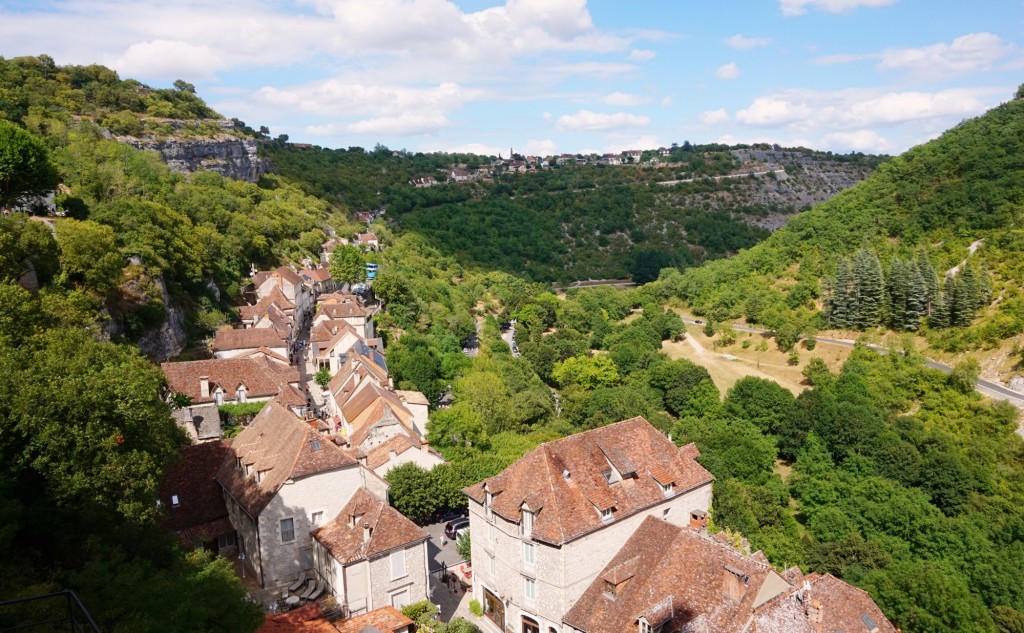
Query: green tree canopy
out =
(25, 167)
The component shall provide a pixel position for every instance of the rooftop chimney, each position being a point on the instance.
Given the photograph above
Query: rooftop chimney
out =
(367, 532)
(204, 386)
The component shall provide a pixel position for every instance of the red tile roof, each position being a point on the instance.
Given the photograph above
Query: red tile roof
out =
(251, 338)
(318, 274)
(262, 378)
(200, 512)
(567, 478)
(674, 575)
(344, 537)
(385, 620)
(280, 447)
(839, 605)
(274, 298)
(305, 619)
(343, 310)
(380, 455)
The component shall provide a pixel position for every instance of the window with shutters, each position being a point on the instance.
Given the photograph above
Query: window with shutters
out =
(397, 564)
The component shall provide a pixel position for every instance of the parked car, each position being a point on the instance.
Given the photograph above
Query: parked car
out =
(452, 528)
(449, 514)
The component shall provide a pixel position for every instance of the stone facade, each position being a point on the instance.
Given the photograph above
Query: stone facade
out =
(560, 573)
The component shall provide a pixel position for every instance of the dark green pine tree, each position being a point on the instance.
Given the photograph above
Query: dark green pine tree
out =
(896, 288)
(931, 280)
(984, 287)
(870, 289)
(964, 296)
(917, 299)
(939, 316)
(840, 301)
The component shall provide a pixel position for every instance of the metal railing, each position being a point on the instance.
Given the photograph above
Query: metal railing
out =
(46, 610)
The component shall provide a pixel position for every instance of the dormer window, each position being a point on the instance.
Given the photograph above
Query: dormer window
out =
(487, 504)
(240, 394)
(606, 515)
(527, 523)
(174, 501)
(667, 489)
(609, 476)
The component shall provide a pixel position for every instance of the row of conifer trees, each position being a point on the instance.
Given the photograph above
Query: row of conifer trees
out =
(863, 296)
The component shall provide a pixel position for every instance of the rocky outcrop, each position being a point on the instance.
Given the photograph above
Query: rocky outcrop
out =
(169, 338)
(228, 155)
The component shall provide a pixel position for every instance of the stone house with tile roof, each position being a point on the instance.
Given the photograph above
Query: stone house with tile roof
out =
(368, 241)
(234, 343)
(333, 352)
(542, 529)
(294, 288)
(191, 502)
(256, 377)
(397, 450)
(281, 481)
(319, 279)
(671, 578)
(385, 620)
(371, 556)
(356, 315)
(249, 314)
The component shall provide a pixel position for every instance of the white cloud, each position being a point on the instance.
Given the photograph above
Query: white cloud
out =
(857, 140)
(728, 71)
(713, 117)
(624, 143)
(640, 55)
(465, 148)
(773, 110)
(743, 43)
(859, 108)
(799, 7)
(974, 52)
(331, 97)
(169, 59)
(966, 54)
(407, 124)
(544, 147)
(624, 99)
(585, 120)
(666, 101)
(328, 129)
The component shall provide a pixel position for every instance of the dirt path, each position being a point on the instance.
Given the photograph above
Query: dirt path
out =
(726, 371)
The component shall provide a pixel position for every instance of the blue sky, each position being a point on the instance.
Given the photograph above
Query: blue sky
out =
(552, 76)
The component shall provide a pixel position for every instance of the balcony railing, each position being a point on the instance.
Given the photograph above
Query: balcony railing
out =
(47, 612)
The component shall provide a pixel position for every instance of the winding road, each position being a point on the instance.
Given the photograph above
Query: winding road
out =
(985, 387)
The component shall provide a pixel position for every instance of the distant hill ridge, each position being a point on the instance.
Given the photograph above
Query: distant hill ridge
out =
(965, 187)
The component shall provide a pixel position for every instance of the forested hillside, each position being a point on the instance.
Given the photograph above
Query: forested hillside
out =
(569, 221)
(930, 242)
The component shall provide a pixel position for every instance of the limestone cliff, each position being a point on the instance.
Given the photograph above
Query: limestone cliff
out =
(227, 154)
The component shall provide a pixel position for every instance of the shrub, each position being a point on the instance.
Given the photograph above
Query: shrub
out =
(475, 608)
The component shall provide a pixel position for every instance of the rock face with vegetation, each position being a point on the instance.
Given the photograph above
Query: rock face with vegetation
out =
(229, 156)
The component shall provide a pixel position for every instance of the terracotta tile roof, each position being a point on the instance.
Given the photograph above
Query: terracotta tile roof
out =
(269, 354)
(262, 378)
(567, 476)
(275, 298)
(343, 310)
(305, 619)
(338, 297)
(379, 455)
(200, 508)
(385, 619)
(292, 397)
(318, 274)
(667, 573)
(343, 536)
(356, 369)
(839, 605)
(326, 330)
(371, 405)
(251, 338)
(280, 447)
(285, 273)
(412, 397)
(340, 335)
(366, 238)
